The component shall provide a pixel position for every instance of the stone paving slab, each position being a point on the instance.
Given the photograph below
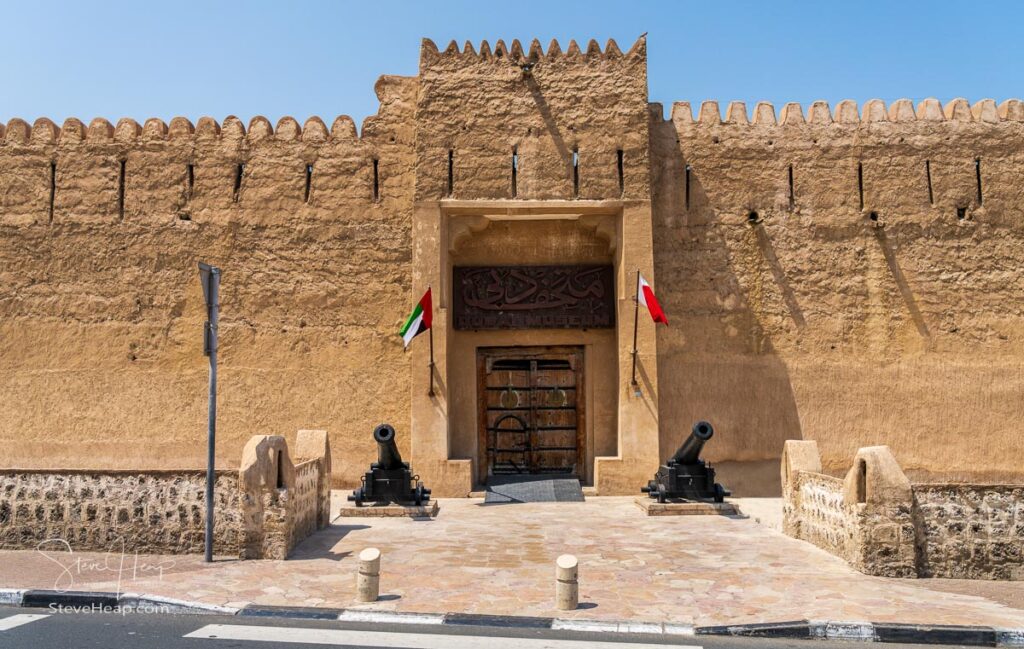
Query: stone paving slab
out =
(390, 510)
(499, 560)
(652, 507)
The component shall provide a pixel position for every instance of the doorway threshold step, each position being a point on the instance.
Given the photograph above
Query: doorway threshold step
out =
(533, 489)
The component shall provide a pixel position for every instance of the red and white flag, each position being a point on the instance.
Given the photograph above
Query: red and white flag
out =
(645, 296)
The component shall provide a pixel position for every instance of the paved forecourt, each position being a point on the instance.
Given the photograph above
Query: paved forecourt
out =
(499, 560)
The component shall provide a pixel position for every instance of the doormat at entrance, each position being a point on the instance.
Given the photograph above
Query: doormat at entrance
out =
(532, 489)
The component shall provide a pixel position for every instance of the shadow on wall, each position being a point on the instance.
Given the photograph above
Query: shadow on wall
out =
(716, 360)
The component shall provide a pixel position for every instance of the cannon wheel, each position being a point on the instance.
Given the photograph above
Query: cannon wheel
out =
(418, 495)
(357, 497)
(662, 496)
(719, 493)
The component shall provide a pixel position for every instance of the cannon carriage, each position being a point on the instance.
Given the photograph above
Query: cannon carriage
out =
(389, 480)
(685, 475)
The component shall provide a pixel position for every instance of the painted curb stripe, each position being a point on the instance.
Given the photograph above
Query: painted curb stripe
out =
(1010, 637)
(976, 636)
(47, 598)
(172, 606)
(678, 629)
(11, 596)
(301, 612)
(387, 617)
(609, 626)
(510, 621)
(850, 631)
(798, 629)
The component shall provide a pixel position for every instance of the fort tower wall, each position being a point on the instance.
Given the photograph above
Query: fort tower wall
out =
(846, 274)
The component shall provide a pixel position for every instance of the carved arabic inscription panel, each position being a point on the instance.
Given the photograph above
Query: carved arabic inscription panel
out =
(533, 297)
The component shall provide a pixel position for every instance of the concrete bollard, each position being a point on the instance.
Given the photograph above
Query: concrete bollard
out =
(567, 585)
(368, 580)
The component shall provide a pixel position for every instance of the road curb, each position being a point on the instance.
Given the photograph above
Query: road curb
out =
(970, 636)
(974, 636)
(107, 601)
(800, 629)
(11, 596)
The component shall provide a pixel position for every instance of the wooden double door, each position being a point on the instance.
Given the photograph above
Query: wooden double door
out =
(531, 411)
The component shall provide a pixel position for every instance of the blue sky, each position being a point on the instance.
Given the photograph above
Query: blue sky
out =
(147, 59)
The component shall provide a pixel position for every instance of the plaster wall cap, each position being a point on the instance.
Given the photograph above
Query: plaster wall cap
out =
(798, 455)
(314, 445)
(876, 478)
(266, 463)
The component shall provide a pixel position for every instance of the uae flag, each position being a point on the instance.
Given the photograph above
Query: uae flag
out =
(645, 296)
(419, 321)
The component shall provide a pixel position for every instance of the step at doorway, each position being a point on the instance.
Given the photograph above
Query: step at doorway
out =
(503, 489)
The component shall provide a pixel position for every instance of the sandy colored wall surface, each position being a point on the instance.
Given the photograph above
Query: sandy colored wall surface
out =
(816, 323)
(480, 105)
(101, 310)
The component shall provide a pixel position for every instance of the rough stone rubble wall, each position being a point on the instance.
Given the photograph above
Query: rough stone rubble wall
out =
(151, 512)
(306, 497)
(823, 519)
(101, 310)
(163, 512)
(958, 531)
(818, 322)
(970, 531)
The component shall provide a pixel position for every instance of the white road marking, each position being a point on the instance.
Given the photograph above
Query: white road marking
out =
(404, 640)
(8, 623)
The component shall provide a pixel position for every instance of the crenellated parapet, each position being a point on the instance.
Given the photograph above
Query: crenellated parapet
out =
(529, 123)
(43, 131)
(213, 171)
(535, 53)
(895, 163)
(847, 112)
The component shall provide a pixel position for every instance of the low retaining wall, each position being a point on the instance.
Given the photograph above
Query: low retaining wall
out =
(154, 511)
(260, 511)
(970, 531)
(883, 525)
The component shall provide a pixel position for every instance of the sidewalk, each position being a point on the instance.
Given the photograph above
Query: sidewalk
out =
(499, 560)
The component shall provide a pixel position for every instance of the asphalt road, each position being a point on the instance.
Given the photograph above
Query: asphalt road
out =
(25, 628)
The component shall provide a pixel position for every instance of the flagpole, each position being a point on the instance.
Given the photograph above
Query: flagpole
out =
(430, 331)
(636, 317)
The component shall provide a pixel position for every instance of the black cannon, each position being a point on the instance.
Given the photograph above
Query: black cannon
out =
(389, 479)
(685, 475)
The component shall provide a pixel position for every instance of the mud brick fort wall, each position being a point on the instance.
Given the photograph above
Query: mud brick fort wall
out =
(101, 307)
(903, 331)
(847, 274)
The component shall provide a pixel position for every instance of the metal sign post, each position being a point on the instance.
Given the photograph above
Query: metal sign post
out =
(210, 278)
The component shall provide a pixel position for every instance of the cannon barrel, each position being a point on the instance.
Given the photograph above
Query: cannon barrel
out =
(388, 456)
(689, 452)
